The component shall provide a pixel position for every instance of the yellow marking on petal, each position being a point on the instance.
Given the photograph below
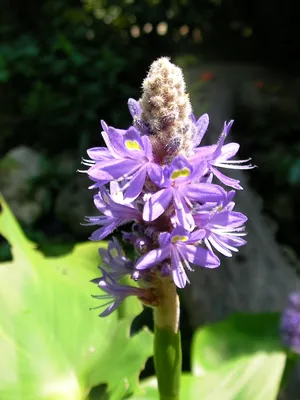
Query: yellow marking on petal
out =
(113, 252)
(133, 145)
(181, 173)
(179, 238)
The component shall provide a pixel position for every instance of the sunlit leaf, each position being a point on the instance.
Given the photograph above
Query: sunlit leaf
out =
(52, 346)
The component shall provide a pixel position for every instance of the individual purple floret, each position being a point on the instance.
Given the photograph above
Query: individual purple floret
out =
(114, 215)
(128, 156)
(223, 228)
(219, 156)
(181, 184)
(116, 293)
(290, 323)
(116, 264)
(182, 247)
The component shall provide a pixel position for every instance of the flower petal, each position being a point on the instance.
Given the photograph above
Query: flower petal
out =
(147, 147)
(202, 125)
(178, 272)
(98, 153)
(199, 256)
(180, 170)
(134, 108)
(113, 140)
(112, 169)
(183, 212)
(104, 231)
(152, 258)
(155, 173)
(164, 239)
(232, 241)
(228, 151)
(218, 245)
(196, 236)
(230, 220)
(205, 192)
(222, 138)
(157, 204)
(135, 186)
(226, 180)
(133, 145)
(203, 153)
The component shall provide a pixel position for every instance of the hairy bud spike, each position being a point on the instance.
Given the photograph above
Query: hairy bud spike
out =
(166, 109)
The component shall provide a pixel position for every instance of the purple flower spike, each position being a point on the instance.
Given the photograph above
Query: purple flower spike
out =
(181, 185)
(164, 185)
(115, 292)
(114, 215)
(290, 323)
(182, 248)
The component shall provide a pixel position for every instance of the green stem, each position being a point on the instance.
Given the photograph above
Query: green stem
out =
(167, 344)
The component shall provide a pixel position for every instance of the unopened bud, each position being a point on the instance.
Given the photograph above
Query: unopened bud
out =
(166, 110)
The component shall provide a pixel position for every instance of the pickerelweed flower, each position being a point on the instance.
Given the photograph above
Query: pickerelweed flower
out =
(114, 260)
(181, 185)
(182, 249)
(219, 155)
(114, 214)
(223, 227)
(290, 323)
(169, 186)
(128, 156)
(116, 293)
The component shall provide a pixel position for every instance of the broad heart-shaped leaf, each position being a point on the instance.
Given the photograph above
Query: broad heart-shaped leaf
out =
(52, 347)
(239, 335)
(252, 377)
(240, 358)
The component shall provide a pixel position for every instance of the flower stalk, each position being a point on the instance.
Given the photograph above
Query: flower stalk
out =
(167, 344)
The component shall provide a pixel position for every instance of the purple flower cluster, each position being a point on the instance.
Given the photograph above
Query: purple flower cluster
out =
(181, 219)
(290, 323)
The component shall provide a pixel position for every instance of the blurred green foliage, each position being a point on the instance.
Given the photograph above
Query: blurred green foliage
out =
(52, 345)
(64, 64)
(55, 78)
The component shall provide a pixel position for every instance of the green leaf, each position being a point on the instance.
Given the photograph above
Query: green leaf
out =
(147, 390)
(239, 358)
(237, 336)
(257, 377)
(52, 346)
(252, 377)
